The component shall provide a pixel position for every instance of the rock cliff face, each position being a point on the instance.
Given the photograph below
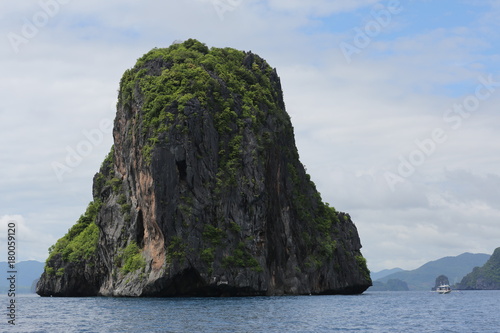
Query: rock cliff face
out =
(203, 193)
(486, 277)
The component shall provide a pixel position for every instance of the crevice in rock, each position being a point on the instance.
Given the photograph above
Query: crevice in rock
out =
(182, 169)
(140, 229)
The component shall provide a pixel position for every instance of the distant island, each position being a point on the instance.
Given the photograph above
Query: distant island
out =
(390, 285)
(423, 278)
(383, 273)
(441, 280)
(486, 277)
(28, 274)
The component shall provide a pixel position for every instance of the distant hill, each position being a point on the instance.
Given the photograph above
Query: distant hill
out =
(27, 273)
(423, 278)
(391, 285)
(384, 273)
(486, 277)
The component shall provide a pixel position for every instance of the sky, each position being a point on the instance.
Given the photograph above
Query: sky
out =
(394, 106)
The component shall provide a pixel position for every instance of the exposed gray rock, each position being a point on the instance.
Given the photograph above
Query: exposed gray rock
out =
(204, 194)
(486, 277)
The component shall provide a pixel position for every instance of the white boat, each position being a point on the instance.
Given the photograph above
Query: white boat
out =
(443, 289)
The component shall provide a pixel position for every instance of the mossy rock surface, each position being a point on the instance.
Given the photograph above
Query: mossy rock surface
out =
(203, 192)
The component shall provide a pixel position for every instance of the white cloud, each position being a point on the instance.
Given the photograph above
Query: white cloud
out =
(352, 121)
(29, 239)
(319, 7)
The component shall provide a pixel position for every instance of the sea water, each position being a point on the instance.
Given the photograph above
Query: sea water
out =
(466, 311)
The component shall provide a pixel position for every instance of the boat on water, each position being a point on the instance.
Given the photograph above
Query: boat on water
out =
(443, 289)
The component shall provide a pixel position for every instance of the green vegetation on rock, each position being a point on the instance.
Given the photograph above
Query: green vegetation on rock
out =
(214, 79)
(241, 258)
(362, 265)
(486, 277)
(176, 250)
(208, 188)
(106, 175)
(80, 243)
(132, 258)
(318, 214)
(214, 235)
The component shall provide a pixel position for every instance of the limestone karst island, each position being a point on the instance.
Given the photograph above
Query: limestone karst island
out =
(203, 193)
